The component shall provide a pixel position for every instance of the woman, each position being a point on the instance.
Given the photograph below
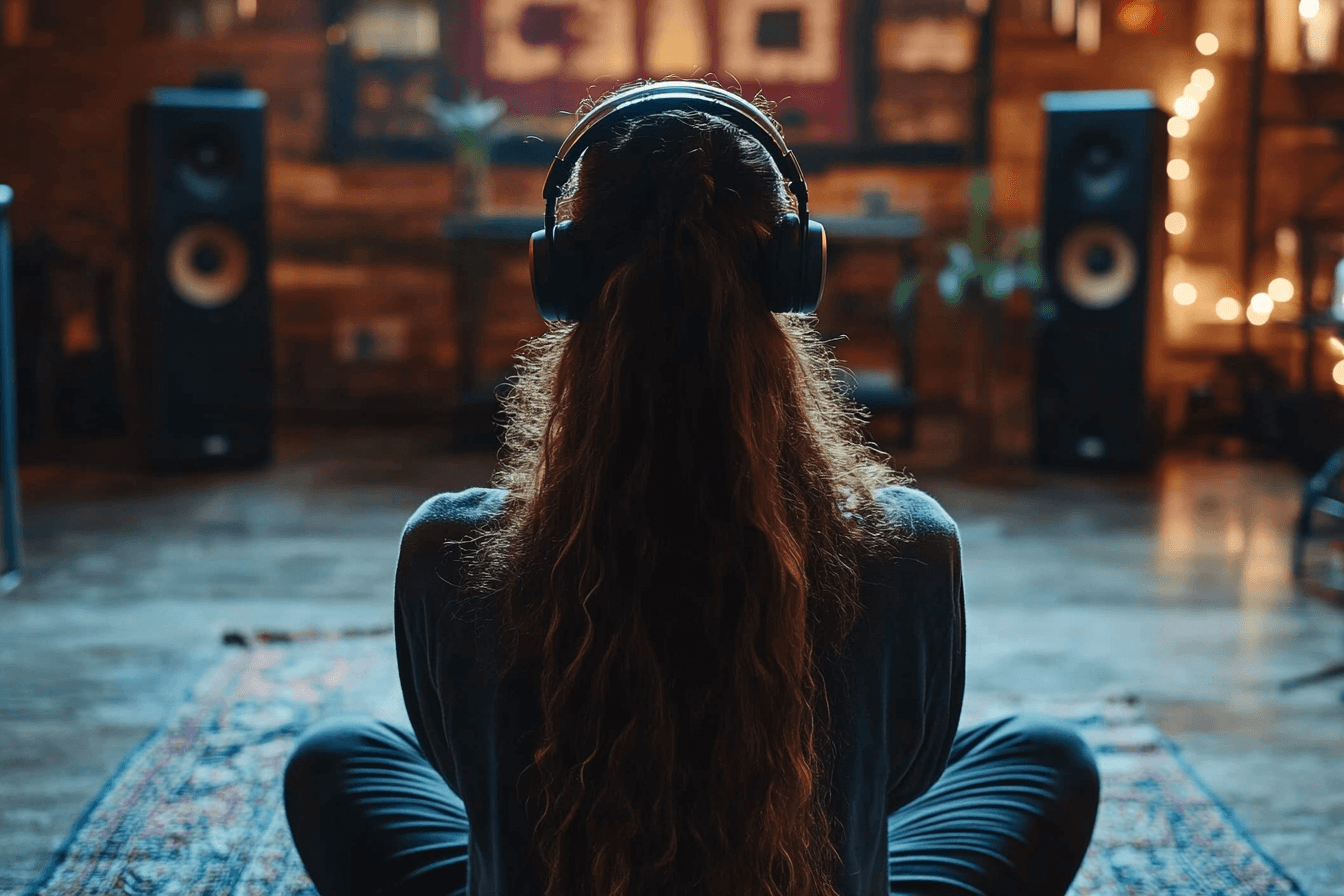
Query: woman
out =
(699, 639)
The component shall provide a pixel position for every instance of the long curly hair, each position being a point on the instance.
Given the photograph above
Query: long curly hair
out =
(689, 499)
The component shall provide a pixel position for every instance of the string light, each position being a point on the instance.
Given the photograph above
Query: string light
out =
(1338, 373)
(1307, 9)
(1228, 308)
(1185, 107)
(1261, 303)
(1336, 344)
(1257, 318)
(1280, 289)
(1207, 43)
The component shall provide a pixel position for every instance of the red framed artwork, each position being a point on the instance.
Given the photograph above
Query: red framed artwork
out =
(859, 80)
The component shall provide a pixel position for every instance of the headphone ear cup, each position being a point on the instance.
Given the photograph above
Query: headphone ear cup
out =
(813, 281)
(559, 274)
(539, 257)
(795, 274)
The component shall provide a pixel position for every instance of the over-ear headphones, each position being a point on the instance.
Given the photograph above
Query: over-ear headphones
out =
(563, 282)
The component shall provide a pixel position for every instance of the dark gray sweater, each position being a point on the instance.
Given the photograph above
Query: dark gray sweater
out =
(895, 690)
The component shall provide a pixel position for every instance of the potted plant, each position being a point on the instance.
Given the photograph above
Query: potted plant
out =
(468, 125)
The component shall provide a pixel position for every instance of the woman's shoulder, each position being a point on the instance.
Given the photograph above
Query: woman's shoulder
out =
(924, 524)
(451, 516)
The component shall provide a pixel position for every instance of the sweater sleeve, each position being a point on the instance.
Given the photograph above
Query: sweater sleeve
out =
(425, 593)
(926, 647)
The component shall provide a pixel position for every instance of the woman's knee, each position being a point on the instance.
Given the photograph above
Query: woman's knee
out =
(1057, 745)
(323, 748)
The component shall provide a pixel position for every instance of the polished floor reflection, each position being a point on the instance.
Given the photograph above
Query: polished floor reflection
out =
(1174, 587)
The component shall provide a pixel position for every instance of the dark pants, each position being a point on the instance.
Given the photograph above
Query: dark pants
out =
(1012, 814)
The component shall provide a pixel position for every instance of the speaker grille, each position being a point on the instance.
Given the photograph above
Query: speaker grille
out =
(204, 366)
(1101, 246)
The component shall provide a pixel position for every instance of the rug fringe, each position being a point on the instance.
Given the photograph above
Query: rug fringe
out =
(235, 638)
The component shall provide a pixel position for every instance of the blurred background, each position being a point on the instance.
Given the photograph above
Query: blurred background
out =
(352, 244)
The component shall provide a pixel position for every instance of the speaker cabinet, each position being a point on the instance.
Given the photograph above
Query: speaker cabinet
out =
(1097, 315)
(204, 370)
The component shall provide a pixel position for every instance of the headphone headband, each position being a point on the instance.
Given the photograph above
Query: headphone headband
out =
(562, 278)
(662, 96)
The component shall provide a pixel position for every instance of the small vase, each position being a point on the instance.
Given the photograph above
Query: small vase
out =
(471, 186)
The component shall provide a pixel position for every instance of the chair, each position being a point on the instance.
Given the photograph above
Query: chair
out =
(1322, 495)
(11, 570)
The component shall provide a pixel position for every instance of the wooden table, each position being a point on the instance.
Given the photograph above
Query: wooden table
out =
(474, 246)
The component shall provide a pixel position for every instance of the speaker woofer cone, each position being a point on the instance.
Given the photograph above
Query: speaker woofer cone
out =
(208, 265)
(1098, 266)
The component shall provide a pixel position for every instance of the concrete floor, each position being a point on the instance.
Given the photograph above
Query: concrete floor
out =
(1174, 587)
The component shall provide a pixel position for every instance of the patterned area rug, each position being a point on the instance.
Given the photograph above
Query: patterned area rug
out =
(196, 808)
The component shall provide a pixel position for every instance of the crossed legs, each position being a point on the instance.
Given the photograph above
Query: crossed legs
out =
(1012, 815)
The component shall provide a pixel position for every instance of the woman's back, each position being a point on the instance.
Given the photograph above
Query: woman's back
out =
(894, 689)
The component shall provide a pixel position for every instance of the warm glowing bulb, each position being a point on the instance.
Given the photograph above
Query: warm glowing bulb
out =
(1307, 9)
(1195, 92)
(1207, 44)
(1175, 223)
(1178, 127)
(1185, 107)
(1339, 373)
(1178, 169)
(1336, 344)
(1280, 289)
(1184, 293)
(1261, 303)
(1227, 308)
(1203, 77)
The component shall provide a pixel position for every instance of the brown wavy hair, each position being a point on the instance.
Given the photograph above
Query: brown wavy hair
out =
(689, 500)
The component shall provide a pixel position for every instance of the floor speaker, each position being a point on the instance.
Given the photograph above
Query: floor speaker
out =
(203, 364)
(1102, 251)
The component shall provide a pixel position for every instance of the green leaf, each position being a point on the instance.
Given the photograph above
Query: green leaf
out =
(906, 289)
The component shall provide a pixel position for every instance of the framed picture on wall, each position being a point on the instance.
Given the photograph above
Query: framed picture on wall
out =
(385, 59)
(882, 81)
(858, 81)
